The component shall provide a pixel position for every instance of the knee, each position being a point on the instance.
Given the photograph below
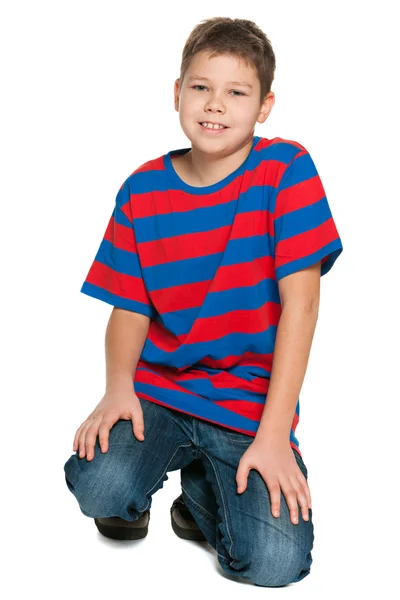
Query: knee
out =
(266, 566)
(100, 486)
(279, 570)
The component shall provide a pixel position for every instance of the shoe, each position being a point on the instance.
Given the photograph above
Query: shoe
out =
(183, 522)
(119, 529)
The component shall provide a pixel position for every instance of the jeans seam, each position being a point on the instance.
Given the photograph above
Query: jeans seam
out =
(210, 518)
(140, 510)
(229, 562)
(200, 508)
(223, 502)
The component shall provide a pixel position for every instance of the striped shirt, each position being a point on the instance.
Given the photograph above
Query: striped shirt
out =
(204, 264)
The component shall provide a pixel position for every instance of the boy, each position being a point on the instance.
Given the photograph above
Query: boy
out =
(212, 260)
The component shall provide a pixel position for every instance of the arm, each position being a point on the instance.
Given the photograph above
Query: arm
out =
(300, 303)
(125, 337)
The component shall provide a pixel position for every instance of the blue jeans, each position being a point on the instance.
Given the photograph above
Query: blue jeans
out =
(250, 542)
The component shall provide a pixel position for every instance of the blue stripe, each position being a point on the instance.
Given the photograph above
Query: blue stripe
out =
(302, 169)
(158, 180)
(204, 387)
(220, 303)
(301, 220)
(121, 218)
(121, 261)
(198, 219)
(201, 408)
(202, 268)
(216, 349)
(197, 405)
(248, 372)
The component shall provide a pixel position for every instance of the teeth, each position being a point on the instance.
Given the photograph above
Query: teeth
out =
(211, 126)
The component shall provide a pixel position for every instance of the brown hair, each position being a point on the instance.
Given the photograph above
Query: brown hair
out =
(238, 37)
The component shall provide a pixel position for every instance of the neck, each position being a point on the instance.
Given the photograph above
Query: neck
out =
(207, 169)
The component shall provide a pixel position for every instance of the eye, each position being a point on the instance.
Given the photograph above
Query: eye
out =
(235, 91)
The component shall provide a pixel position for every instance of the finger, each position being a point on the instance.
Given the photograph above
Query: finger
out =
(90, 439)
(306, 489)
(103, 428)
(138, 425)
(275, 497)
(104, 431)
(81, 441)
(301, 497)
(241, 476)
(290, 494)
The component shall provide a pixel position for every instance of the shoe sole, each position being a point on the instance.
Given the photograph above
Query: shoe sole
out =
(186, 529)
(119, 529)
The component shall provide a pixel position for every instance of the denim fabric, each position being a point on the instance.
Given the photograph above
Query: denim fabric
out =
(250, 542)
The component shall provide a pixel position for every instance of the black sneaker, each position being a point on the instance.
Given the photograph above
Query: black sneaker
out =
(119, 529)
(183, 522)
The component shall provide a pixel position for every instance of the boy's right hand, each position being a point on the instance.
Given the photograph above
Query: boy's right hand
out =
(112, 407)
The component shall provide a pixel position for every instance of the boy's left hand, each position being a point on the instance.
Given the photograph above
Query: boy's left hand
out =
(276, 464)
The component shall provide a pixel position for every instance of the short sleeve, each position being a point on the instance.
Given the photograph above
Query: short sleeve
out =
(304, 229)
(115, 275)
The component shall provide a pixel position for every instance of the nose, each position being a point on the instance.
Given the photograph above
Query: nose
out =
(214, 109)
(214, 104)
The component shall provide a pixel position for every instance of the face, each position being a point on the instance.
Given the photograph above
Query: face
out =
(218, 100)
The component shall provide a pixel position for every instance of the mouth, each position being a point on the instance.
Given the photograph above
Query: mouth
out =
(212, 130)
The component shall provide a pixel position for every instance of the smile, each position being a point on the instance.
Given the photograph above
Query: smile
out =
(212, 130)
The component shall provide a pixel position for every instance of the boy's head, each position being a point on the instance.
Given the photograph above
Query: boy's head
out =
(223, 50)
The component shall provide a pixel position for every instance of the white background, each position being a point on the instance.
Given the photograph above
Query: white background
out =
(87, 97)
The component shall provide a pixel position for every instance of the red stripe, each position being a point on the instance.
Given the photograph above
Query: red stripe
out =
(264, 361)
(209, 329)
(164, 382)
(156, 164)
(156, 202)
(299, 195)
(250, 410)
(247, 359)
(192, 295)
(120, 236)
(203, 243)
(125, 286)
(304, 244)
(218, 381)
(169, 405)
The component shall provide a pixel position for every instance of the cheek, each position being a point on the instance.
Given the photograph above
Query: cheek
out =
(190, 112)
(185, 106)
(185, 116)
(247, 117)
(245, 110)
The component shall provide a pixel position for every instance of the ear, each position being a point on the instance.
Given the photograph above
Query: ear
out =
(266, 107)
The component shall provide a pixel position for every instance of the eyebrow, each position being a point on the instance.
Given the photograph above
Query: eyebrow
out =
(243, 83)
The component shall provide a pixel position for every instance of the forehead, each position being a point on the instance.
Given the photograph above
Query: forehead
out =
(206, 80)
(221, 67)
